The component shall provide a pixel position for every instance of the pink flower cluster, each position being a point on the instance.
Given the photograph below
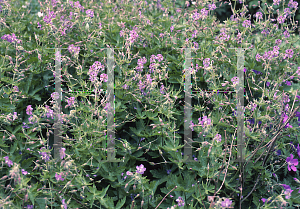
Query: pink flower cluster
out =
(11, 38)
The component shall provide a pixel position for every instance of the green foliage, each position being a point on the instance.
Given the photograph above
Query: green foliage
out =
(160, 147)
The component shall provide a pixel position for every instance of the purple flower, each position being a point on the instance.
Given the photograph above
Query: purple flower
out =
(293, 4)
(89, 13)
(206, 62)
(212, 7)
(15, 116)
(235, 80)
(29, 110)
(93, 73)
(288, 193)
(10, 38)
(103, 77)
(71, 101)
(205, 121)
(246, 23)
(29, 206)
(289, 53)
(286, 98)
(48, 19)
(58, 177)
(278, 42)
(265, 32)
(44, 155)
(298, 150)
(49, 112)
(128, 173)
(278, 152)
(24, 172)
(25, 126)
(192, 125)
(276, 2)
(292, 163)
(204, 13)
(259, 15)
(286, 34)
(169, 171)
(125, 86)
(258, 58)
(55, 95)
(64, 204)
(218, 137)
(16, 89)
(162, 89)
(172, 28)
(180, 201)
(285, 186)
(264, 200)
(196, 16)
(78, 5)
(226, 203)
(8, 161)
(31, 121)
(140, 169)
(133, 35)
(280, 19)
(284, 119)
(73, 49)
(256, 72)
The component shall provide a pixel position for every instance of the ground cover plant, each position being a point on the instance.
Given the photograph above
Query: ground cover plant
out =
(149, 98)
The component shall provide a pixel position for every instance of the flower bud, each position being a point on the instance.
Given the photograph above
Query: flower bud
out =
(142, 203)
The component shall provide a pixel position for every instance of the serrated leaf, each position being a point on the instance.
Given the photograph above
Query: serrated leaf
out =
(6, 106)
(103, 192)
(31, 197)
(151, 115)
(121, 203)
(26, 163)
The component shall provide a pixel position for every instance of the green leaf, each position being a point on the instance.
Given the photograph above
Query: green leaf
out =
(121, 203)
(33, 92)
(140, 115)
(223, 124)
(151, 115)
(31, 60)
(26, 163)
(28, 81)
(94, 194)
(295, 196)
(291, 89)
(13, 148)
(170, 146)
(31, 197)
(254, 2)
(6, 106)
(103, 192)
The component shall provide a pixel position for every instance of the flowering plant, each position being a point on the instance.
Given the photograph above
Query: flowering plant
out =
(80, 177)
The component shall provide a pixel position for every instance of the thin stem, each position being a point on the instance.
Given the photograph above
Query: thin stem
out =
(221, 167)
(271, 147)
(227, 165)
(165, 197)
(64, 194)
